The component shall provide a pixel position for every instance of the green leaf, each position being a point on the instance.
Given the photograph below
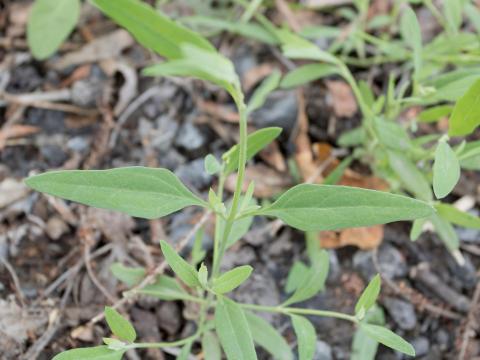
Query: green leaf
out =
(363, 346)
(198, 253)
(307, 73)
(435, 113)
(352, 137)
(412, 179)
(466, 113)
(458, 217)
(324, 207)
(231, 279)
(412, 35)
(306, 337)
(129, 275)
(138, 191)
(93, 353)
(261, 93)
(256, 141)
(203, 276)
(388, 338)
(268, 338)
(453, 13)
(297, 273)
(335, 176)
(165, 288)
(446, 232)
(417, 229)
(369, 295)
(446, 170)
(233, 331)
(151, 28)
(210, 346)
(185, 352)
(120, 327)
(212, 166)
(182, 269)
(314, 279)
(392, 135)
(470, 156)
(49, 24)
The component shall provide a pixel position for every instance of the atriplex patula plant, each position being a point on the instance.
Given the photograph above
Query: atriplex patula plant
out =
(152, 193)
(442, 72)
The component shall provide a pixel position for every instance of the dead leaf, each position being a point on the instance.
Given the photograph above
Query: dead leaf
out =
(303, 151)
(355, 179)
(325, 3)
(365, 238)
(272, 156)
(16, 131)
(342, 99)
(268, 182)
(106, 47)
(254, 75)
(218, 111)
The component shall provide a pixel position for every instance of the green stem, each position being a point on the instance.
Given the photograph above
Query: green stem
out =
(163, 344)
(242, 159)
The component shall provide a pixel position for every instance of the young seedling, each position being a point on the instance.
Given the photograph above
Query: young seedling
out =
(151, 193)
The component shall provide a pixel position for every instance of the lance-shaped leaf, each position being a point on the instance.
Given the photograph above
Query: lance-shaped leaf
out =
(233, 330)
(92, 353)
(306, 337)
(388, 338)
(446, 170)
(231, 279)
(121, 327)
(166, 288)
(306, 73)
(182, 269)
(129, 275)
(261, 93)
(49, 24)
(446, 232)
(369, 296)
(256, 141)
(466, 113)
(324, 207)
(458, 217)
(151, 28)
(211, 346)
(138, 191)
(267, 337)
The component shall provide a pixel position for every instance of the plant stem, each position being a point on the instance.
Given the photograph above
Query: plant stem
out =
(164, 344)
(242, 159)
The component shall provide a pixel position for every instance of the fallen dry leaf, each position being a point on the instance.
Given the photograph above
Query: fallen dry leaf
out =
(303, 151)
(365, 238)
(268, 182)
(11, 191)
(342, 99)
(355, 179)
(272, 156)
(254, 75)
(16, 131)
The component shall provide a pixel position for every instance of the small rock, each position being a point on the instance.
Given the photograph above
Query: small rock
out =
(78, 144)
(182, 222)
(402, 312)
(391, 261)
(464, 275)
(421, 346)
(54, 155)
(25, 78)
(169, 317)
(280, 109)
(87, 92)
(145, 323)
(172, 159)
(281, 245)
(323, 351)
(50, 121)
(242, 256)
(468, 235)
(335, 270)
(194, 174)
(190, 138)
(56, 227)
(443, 339)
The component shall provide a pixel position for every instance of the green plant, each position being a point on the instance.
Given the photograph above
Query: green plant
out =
(151, 193)
(442, 72)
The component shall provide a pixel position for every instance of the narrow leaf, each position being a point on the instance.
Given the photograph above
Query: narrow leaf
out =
(307, 73)
(129, 275)
(306, 337)
(49, 24)
(369, 295)
(297, 273)
(435, 113)
(268, 338)
(456, 216)
(212, 166)
(412, 35)
(446, 232)
(388, 338)
(233, 331)
(93, 353)
(182, 269)
(446, 170)
(256, 141)
(231, 279)
(417, 229)
(261, 93)
(120, 327)
(392, 135)
(211, 347)
(466, 113)
(138, 191)
(165, 288)
(324, 207)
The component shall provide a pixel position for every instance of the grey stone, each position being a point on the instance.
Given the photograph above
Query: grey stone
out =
(421, 346)
(335, 270)
(468, 235)
(323, 351)
(193, 174)
(169, 317)
(78, 144)
(87, 92)
(402, 312)
(280, 109)
(391, 262)
(190, 138)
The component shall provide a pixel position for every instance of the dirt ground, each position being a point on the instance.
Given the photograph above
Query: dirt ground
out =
(83, 109)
